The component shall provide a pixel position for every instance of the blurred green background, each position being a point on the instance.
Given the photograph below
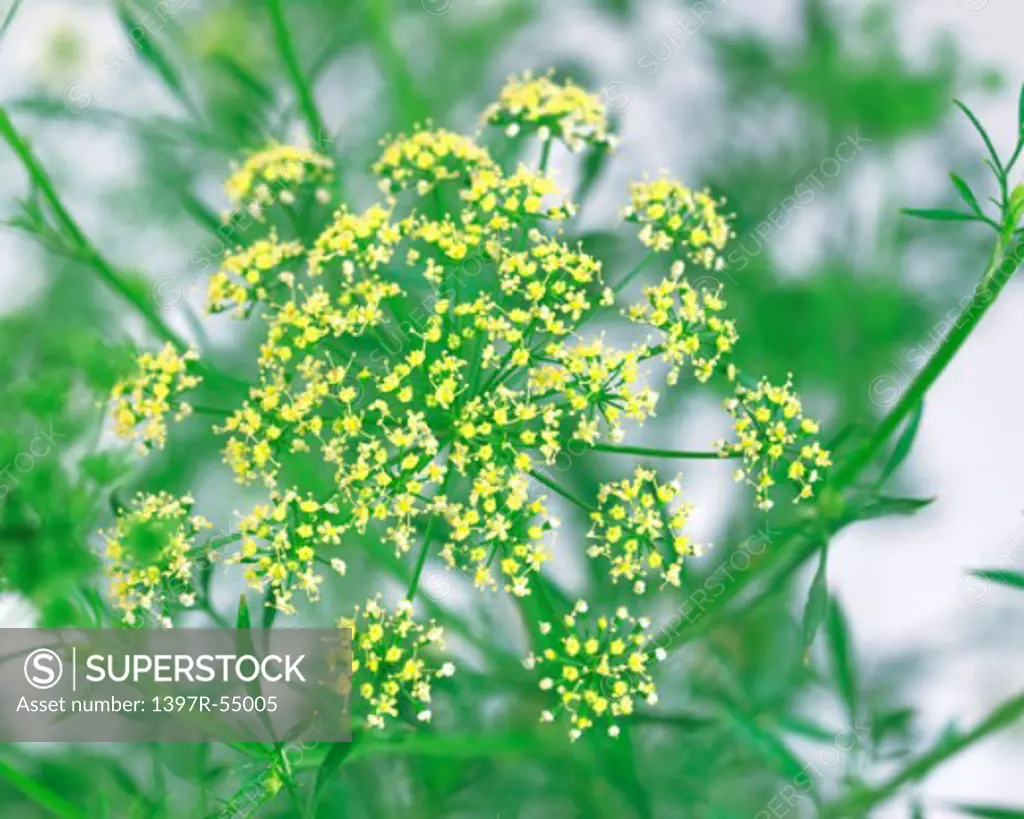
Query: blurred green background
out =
(817, 120)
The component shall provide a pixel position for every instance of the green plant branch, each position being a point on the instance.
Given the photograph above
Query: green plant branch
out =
(615, 449)
(554, 487)
(307, 103)
(1000, 270)
(89, 254)
(795, 549)
(428, 535)
(860, 803)
(39, 793)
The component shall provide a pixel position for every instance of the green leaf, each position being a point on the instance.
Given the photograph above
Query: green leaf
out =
(998, 165)
(243, 621)
(1020, 126)
(965, 193)
(332, 763)
(9, 18)
(151, 52)
(1017, 204)
(990, 812)
(817, 603)
(904, 444)
(842, 661)
(940, 215)
(882, 506)
(39, 793)
(1015, 580)
(764, 744)
(593, 166)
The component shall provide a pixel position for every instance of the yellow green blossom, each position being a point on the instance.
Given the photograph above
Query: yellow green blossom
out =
(597, 669)
(552, 110)
(151, 557)
(142, 402)
(637, 529)
(775, 440)
(394, 664)
(677, 219)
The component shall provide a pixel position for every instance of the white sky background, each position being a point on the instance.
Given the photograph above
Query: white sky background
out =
(901, 582)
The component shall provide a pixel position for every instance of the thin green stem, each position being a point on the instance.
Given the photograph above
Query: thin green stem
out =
(632, 274)
(861, 803)
(797, 547)
(545, 155)
(82, 245)
(554, 487)
(428, 534)
(40, 794)
(1000, 270)
(660, 453)
(307, 103)
(407, 102)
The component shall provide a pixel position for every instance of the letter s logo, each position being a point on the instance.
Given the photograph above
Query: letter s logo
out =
(43, 668)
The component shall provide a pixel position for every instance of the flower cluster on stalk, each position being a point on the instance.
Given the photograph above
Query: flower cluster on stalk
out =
(142, 401)
(638, 529)
(424, 359)
(151, 556)
(598, 668)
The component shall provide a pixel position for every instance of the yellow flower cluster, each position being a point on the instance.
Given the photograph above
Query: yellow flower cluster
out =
(499, 202)
(151, 557)
(693, 330)
(597, 670)
(143, 401)
(774, 437)
(428, 157)
(358, 241)
(424, 424)
(279, 547)
(275, 174)
(392, 666)
(638, 530)
(250, 274)
(680, 220)
(552, 110)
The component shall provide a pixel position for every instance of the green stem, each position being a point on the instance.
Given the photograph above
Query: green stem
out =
(407, 101)
(997, 274)
(545, 155)
(554, 487)
(427, 536)
(89, 254)
(861, 803)
(796, 548)
(314, 122)
(632, 274)
(659, 453)
(39, 794)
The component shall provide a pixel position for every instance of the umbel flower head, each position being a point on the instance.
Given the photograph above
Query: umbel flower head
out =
(552, 110)
(693, 331)
(774, 437)
(596, 669)
(638, 530)
(143, 401)
(678, 220)
(278, 174)
(393, 664)
(424, 359)
(151, 556)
